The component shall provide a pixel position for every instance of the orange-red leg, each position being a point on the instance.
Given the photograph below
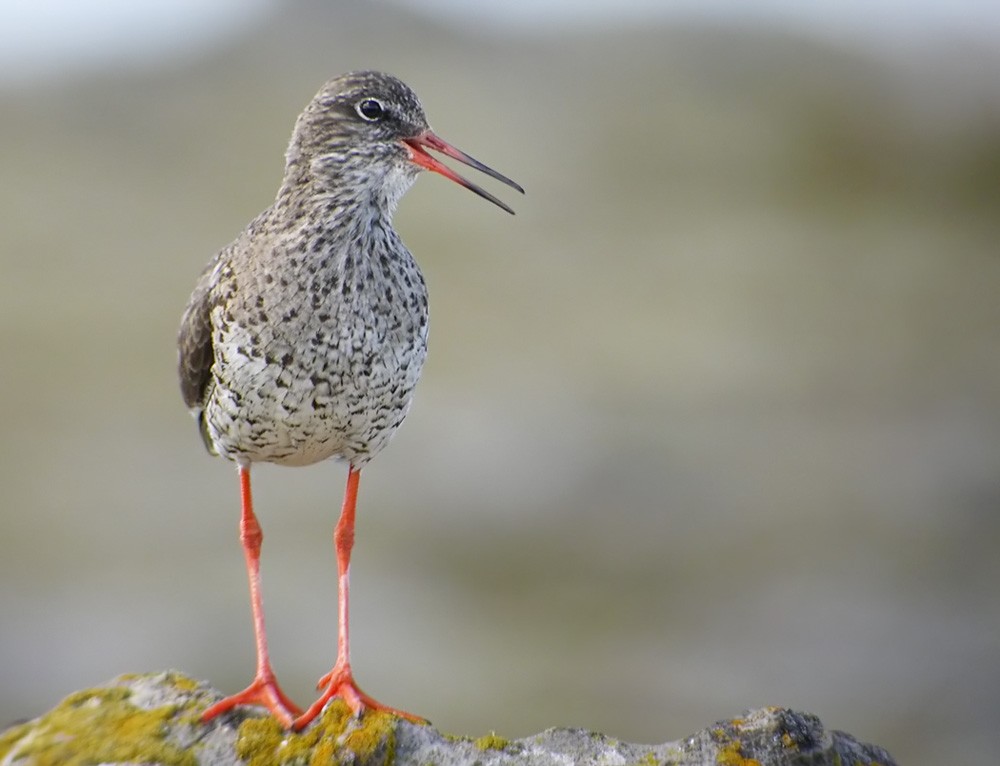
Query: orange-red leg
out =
(264, 689)
(339, 682)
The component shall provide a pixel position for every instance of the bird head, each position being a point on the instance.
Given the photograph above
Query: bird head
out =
(365, 135)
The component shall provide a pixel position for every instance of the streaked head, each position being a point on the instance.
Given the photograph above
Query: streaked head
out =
(366, 133)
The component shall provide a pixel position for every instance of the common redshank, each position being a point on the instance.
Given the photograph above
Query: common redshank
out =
(304, 338)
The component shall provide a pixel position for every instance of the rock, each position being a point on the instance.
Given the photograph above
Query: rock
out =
(153, 720)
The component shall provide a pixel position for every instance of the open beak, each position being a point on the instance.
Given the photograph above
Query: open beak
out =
(418, 146)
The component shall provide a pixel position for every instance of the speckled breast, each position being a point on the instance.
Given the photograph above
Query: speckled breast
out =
(318, 359)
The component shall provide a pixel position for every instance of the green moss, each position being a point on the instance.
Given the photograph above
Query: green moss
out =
(78, 732)
(183, 683)
(377, 735)
(336, 738)
(104, 726)
(491, 742)
(649, 759)
(258, 738)
(11, 736)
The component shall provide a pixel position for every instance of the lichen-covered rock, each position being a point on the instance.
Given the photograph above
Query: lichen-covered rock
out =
(154, 720)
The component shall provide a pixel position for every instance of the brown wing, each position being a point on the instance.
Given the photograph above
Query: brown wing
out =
(194, 346)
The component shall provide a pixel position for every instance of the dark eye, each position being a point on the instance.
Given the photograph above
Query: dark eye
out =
(370, 109)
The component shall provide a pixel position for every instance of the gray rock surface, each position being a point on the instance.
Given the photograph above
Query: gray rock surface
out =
(153, 719)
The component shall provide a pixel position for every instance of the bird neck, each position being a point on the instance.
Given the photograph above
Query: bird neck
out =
(327, 189)
(348, 217)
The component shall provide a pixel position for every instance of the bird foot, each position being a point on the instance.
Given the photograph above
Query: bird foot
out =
(263, 692)
(339, 682)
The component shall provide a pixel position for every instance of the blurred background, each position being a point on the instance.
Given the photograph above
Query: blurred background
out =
(712, 423)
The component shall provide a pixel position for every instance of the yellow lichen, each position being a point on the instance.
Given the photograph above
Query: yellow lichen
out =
(258, 740)
(10, 737)
(491, 741)
(181, 682)
(731, 755)
(336, 738)
(377, 732)
(76, 733)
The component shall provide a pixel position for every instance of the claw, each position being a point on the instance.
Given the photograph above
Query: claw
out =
(339, 682)
(262, 692)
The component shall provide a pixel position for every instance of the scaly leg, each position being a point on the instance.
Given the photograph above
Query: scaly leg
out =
(339, 682)
(263, 690)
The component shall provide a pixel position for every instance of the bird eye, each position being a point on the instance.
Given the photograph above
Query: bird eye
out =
(370, 109)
